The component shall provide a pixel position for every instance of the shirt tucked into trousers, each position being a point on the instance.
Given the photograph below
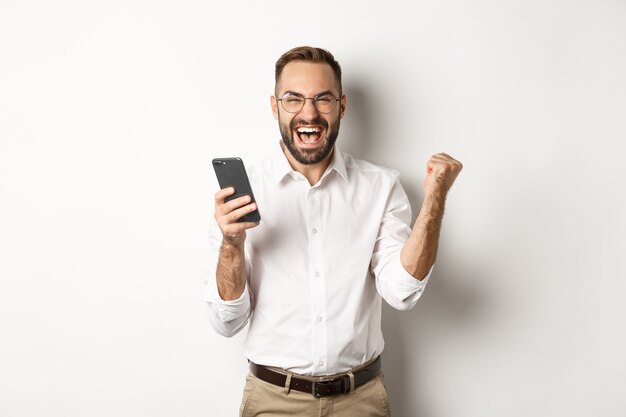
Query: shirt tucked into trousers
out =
(261, 398)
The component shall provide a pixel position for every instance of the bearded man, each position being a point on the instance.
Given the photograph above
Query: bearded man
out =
(335, 240)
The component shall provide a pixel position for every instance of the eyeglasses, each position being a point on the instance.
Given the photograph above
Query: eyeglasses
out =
(294, 102)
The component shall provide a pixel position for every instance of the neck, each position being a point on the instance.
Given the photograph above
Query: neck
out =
(313, 172)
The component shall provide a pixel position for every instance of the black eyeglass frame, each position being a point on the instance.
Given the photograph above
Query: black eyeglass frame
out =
(324, 94)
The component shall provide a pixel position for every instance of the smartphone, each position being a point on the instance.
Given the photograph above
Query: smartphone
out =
(232, 173)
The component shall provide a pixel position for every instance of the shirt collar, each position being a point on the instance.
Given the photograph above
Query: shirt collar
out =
(338, 164)
(282, 168)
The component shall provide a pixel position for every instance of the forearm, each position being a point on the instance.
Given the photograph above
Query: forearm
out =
(420, 250)
(231, 274)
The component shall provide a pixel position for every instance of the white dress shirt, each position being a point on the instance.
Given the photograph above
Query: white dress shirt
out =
(317, 266)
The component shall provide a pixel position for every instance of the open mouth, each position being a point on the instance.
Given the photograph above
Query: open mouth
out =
(309, 135)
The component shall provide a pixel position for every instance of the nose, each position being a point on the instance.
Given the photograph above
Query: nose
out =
(309, 108)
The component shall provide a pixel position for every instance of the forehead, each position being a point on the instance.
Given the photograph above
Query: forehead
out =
(308, 78)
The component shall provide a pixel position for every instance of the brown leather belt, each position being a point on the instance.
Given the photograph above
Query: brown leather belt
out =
(319, 388)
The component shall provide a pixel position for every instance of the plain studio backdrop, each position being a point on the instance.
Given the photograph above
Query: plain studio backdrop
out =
(110, 113)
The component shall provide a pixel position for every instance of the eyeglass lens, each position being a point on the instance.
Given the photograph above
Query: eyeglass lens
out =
(293, 103)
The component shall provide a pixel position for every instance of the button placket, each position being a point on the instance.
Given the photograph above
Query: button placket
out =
(318, 286)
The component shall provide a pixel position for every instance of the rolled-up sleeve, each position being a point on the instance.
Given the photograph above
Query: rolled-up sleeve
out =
(394, 284)
(226, 317)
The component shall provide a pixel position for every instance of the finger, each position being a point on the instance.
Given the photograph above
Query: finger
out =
(448, 163)
(246, 225)
(234, 215)
(448, 159)
(222, 194)
(441, 158)
(234, 204)
(236, 228)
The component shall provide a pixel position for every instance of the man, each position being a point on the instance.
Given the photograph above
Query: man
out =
(334, 240)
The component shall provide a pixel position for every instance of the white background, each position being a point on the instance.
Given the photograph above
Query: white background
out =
(110, 113)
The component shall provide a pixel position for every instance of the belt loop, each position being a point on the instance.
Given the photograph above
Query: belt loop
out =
(351, 376)
(288, 383)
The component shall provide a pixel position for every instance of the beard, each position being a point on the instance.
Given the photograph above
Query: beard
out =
(310, 156)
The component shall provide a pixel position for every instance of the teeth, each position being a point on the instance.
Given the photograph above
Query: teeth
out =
(308, 129)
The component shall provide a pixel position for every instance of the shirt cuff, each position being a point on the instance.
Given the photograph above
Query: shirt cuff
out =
(406, 284)
(228, 310)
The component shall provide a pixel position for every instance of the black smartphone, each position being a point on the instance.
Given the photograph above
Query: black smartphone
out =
(232, 173)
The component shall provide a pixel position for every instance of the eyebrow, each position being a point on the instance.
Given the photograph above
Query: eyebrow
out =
(323, 93)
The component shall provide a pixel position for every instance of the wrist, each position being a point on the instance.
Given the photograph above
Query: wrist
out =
(434, 201)
(438, 196)
(229, 246)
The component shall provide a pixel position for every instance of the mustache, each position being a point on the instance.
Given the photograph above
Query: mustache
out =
(318, 121)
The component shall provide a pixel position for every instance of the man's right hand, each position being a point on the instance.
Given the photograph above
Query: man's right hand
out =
(227, 214)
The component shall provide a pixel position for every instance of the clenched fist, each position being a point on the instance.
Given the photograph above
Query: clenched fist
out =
(441, 171)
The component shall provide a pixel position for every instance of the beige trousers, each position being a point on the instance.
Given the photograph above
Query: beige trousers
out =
(262, 399)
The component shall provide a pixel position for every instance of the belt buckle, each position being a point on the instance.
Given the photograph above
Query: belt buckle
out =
(326, 384)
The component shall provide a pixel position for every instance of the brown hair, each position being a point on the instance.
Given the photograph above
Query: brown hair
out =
(308, 54)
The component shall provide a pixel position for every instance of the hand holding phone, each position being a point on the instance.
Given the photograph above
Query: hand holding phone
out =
(231, 172)
(235, 212)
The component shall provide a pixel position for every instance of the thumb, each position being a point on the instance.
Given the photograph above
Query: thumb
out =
(429, 170)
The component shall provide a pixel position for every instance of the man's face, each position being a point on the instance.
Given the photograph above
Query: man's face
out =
(308, 134)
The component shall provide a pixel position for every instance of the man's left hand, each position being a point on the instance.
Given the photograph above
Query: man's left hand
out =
(441, 171)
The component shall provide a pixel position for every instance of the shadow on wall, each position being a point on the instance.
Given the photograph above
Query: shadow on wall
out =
(450, 301)
(358, 123)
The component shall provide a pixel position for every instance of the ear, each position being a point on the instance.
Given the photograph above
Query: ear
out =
(342, 110)
(274, 104)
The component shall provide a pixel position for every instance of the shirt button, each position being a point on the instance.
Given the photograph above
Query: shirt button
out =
(314, 231)
(319, 318)
(321, 363)
(317, 274)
